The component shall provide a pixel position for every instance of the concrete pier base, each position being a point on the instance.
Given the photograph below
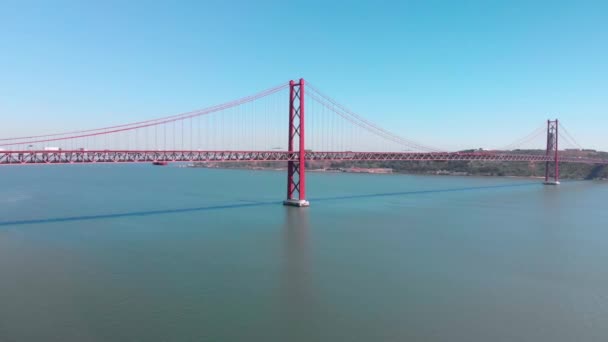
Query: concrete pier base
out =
(296, 203)
(551, 183)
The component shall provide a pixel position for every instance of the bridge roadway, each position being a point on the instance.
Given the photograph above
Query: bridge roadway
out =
(149, 156)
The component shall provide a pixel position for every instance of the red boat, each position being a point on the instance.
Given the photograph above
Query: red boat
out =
(160, 163)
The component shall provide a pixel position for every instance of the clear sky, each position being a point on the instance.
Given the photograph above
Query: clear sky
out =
(453, 74)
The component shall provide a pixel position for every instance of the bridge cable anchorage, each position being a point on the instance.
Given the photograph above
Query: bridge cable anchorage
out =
(569, 137)
(517, 144)
(341, 129)
(359, 126)
(566, 142)
(337, 106)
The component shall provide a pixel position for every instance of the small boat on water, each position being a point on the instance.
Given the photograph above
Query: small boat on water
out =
(160, 163)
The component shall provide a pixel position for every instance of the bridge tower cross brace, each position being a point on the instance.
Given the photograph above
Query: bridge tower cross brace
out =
(296, 166)
(552, 151)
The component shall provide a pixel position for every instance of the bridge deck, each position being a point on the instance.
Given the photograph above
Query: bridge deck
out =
(149, 156)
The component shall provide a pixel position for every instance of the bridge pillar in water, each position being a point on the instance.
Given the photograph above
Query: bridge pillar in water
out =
(296, 166)
(552, 167)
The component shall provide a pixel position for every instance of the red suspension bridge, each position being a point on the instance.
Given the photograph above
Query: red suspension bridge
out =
(252, 129)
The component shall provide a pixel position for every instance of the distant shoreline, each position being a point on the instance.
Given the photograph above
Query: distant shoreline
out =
(372, 171)
(478, 168)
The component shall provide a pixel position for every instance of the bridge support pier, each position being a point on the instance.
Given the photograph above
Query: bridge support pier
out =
(296, 166)
(552, 150)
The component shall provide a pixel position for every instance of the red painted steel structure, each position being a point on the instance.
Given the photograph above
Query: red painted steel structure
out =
(296, 166)
(148, 156)
(296, 155)
(552, 150)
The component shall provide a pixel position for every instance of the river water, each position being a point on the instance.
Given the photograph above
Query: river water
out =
(143, 253)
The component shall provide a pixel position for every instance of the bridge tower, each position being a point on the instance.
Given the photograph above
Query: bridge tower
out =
(296, 166)
(552, 151)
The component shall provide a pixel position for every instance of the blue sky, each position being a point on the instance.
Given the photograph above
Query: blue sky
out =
(453, 74)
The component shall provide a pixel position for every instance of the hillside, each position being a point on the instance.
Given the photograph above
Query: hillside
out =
(461, 168)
